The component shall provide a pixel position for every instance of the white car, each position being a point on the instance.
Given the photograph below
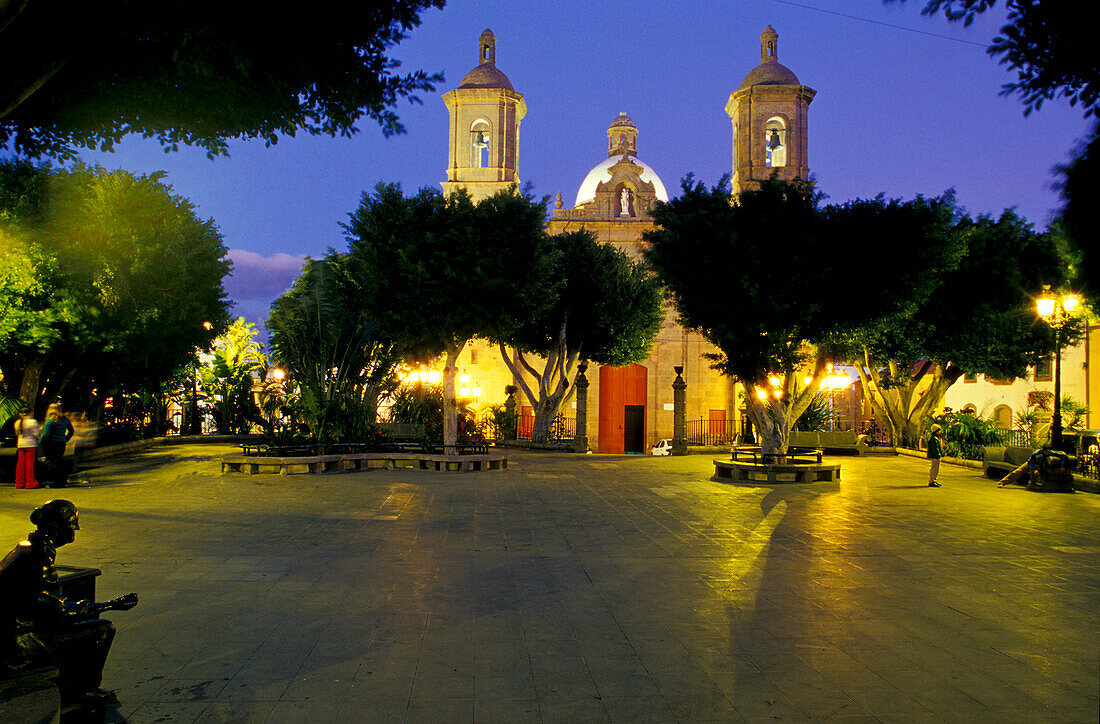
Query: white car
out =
(663, 447)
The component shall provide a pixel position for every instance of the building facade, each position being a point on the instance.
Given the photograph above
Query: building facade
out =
(629, 408)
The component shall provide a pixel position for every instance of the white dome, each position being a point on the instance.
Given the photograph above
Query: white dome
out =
(602, 173)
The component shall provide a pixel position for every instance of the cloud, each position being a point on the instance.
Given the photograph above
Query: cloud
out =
(255, 275)
(256, 280)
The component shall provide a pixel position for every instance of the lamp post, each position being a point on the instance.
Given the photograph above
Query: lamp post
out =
(1056, 310)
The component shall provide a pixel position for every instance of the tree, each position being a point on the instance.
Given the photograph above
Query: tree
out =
(1046, 43)
(718, 260)
(978, 318)
(197, 73)
(114, 277)
(435, 271)
(768, 278)
(227, 377)
(332, 350)
(1054, 56)
(1079, 220)
(605, 309)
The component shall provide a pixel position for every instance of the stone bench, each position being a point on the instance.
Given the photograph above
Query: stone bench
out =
(998, 462)
(839, 443)
(743, 471)
(355, 462)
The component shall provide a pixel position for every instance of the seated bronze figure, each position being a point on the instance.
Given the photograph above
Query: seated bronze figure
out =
(39, 626)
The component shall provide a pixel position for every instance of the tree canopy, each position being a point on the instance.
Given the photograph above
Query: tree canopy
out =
(333, 353)
(603, 308)
(977, 317)
(108, 275)
(80, 75)
(434, 271)
(772, 279)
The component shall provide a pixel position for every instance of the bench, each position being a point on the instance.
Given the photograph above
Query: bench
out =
(998, 462)
(846, 442)
(800, 465)
(357, 462)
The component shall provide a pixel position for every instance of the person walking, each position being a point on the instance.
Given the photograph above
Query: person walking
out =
(26, 440)
(935, 452)
(56, 434)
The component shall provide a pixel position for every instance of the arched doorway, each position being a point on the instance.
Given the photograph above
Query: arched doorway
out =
(622, 409)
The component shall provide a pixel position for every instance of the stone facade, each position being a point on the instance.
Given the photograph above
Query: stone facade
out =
(614, 203)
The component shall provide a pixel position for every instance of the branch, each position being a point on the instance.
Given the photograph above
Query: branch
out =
(516, 374)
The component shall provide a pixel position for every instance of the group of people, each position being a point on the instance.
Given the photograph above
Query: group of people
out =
(49, 440)
(1045, 469)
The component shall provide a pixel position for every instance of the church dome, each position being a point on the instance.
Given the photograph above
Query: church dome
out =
(486, 74)
(602, 173)
(769, 72)
(622, 120)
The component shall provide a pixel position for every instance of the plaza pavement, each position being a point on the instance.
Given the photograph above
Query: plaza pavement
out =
(587, 589)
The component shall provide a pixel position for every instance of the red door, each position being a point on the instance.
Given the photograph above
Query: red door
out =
(619, 387)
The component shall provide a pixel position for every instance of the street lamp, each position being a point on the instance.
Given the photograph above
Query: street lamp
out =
(1056, 310)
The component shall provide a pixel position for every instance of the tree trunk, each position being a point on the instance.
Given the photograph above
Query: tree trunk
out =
(32, 377)
(774, 417)
(450, 404)
(902, 402)
(555, 384)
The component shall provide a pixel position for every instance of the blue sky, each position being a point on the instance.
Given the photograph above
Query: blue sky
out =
(902, 110)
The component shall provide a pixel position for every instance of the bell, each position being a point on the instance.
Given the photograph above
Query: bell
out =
(479, 138)
(773, 142)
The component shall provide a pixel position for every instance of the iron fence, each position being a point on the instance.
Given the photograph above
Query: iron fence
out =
(710, 432)
(562, 429)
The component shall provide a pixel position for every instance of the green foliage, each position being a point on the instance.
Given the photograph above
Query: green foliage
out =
(198, 73)
(227, 378)
(608, 305)
(435, 271)
(418, 404)
(964, 435)
(1079, 221)
(335, 357)
(110, 277)
(423, 405)
(1073, 413)
(602, 307)
(503, 421)
(818, 416)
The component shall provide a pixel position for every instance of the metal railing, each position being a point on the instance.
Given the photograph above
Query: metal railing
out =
(710, 432)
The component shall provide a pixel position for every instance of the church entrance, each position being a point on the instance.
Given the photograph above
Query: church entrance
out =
(622, 409)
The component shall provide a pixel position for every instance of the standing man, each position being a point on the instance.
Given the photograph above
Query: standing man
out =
(935, 452)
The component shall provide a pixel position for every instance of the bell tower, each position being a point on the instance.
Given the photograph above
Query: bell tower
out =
(485, 115)
(769, 114)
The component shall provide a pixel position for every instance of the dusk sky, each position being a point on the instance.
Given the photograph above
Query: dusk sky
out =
(897, 111)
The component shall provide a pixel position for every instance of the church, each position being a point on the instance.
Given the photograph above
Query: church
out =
(629, 408)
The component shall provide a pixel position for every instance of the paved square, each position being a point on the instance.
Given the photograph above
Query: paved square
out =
(587, 588)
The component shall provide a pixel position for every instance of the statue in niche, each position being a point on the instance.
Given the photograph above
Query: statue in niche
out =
(624, 201)
(40, 626)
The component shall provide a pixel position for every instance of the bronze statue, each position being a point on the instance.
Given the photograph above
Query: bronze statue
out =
(39, 626)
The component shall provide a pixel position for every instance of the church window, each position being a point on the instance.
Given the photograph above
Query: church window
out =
(479, 144)
(1044, 370)
(775, 143)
